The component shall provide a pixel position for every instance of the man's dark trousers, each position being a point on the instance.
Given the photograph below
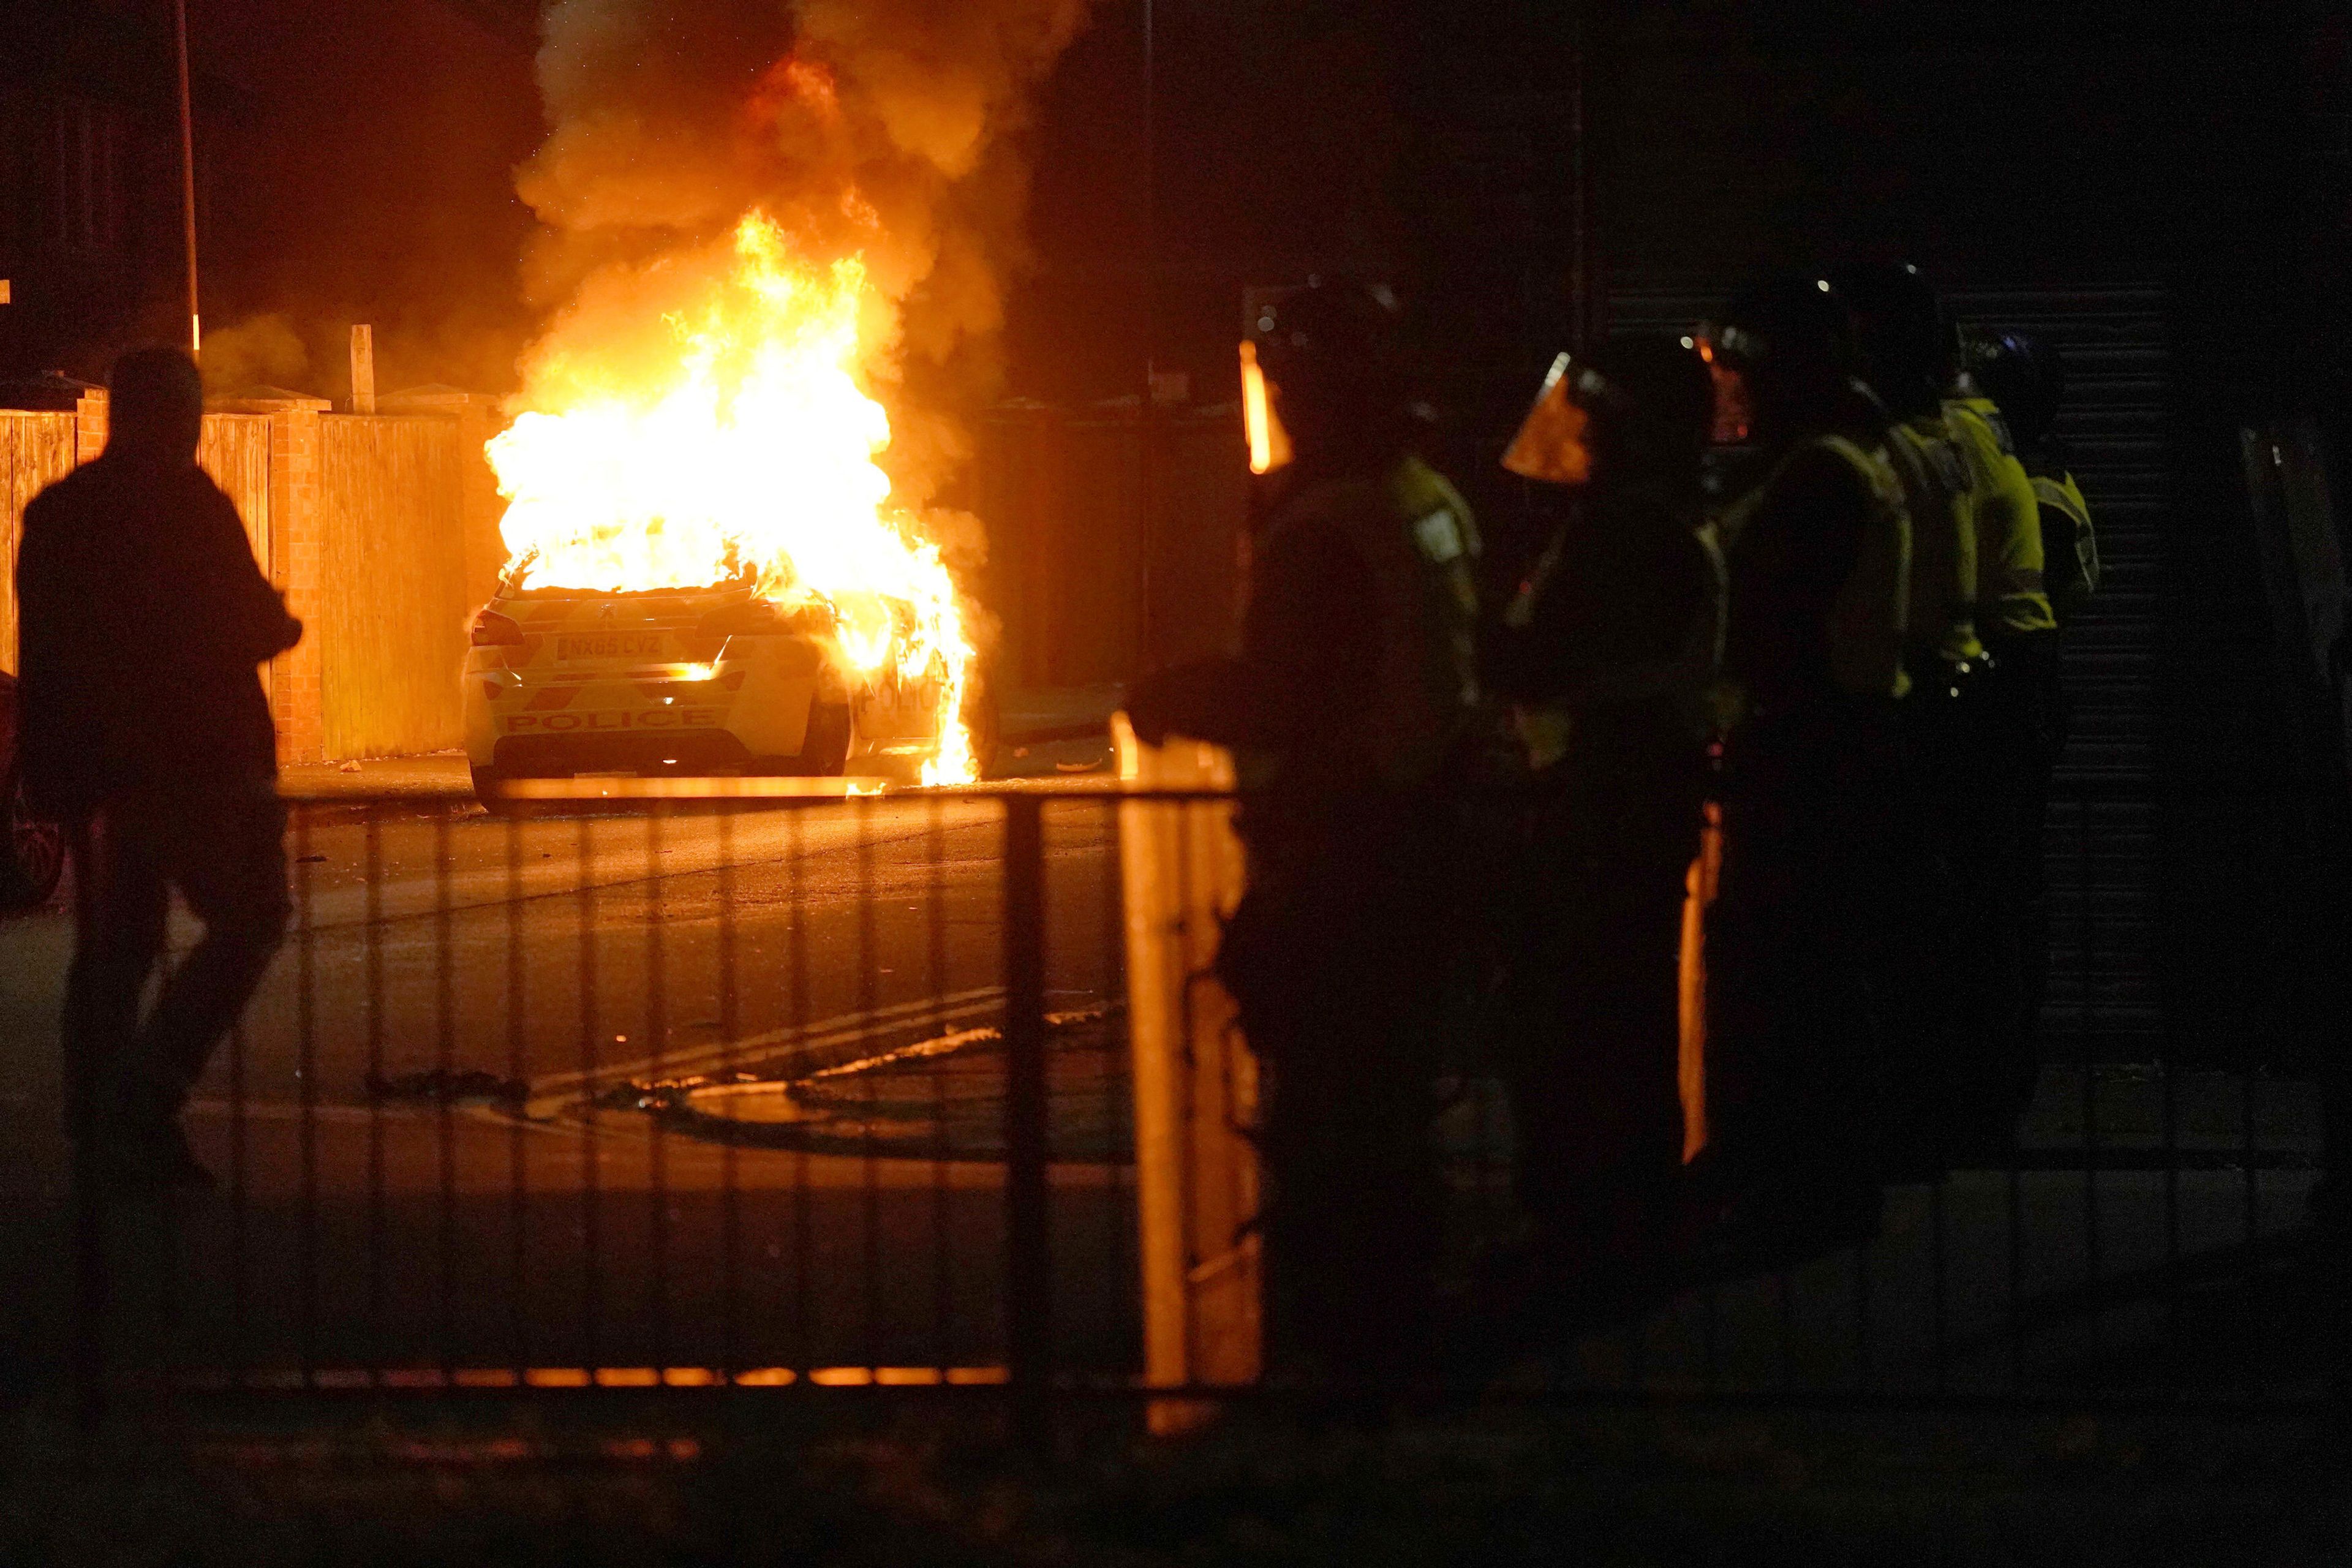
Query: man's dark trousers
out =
(224, 849)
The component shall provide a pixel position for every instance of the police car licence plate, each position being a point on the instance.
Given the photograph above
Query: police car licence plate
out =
(612, 645)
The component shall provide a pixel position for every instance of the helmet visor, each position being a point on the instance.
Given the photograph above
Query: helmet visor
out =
(1269, 443)
(1735, 411)
(1552, 445)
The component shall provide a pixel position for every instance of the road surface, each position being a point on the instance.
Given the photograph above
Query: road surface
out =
(540, 967)
(440, 1150)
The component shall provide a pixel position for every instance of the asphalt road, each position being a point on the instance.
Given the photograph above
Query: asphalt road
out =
(438, 1152)
(430, 1143)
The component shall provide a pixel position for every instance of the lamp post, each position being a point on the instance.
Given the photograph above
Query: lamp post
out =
(188, 174)
(1147, 533)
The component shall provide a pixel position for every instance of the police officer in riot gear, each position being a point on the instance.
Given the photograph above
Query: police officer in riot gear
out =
(1963, 741)
(1347, 705)
(1808, 981)
(2025, 380)
(2020, 630)
(1907, 349)
(1608, 654)
(2013, 610)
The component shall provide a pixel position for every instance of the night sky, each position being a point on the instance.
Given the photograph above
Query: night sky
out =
(357, 163)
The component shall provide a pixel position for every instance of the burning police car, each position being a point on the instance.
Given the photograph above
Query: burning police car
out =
(720, 679)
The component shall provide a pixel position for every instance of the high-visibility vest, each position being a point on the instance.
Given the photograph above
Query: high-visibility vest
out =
(1936, 489)
(1871, 613)
(2069, 547)
(2011, 600)
(1417, 535)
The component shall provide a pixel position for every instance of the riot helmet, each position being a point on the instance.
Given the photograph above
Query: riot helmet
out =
(1905, 341)
(1785, 361)
(1320, 370)
(2023, 375)
(1635, 408)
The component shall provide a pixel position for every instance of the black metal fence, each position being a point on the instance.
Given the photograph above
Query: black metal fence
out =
(836, 1092)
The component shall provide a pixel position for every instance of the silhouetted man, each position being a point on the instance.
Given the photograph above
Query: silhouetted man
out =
(142, 617)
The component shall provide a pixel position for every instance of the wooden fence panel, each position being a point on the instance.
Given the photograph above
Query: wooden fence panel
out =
(34, 449)
(392, 553)
(234, 450)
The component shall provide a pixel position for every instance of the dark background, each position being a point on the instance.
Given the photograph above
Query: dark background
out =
(355, 163)
(356, 166)
(357, 160)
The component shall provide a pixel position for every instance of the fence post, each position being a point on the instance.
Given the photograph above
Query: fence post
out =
(1028, 1253)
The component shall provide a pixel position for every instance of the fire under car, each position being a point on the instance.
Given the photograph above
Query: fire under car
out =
(565, 681)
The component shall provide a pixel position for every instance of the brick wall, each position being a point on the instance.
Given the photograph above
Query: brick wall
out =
(90, 425)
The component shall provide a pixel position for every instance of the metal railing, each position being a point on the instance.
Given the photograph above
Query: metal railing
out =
(811, 1093)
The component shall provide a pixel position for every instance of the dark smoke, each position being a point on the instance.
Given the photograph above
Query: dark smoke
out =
(891, 128)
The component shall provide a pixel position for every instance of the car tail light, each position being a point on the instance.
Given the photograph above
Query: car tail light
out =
(492, 629)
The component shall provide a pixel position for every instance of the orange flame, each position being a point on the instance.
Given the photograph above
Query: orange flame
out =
(752, 454)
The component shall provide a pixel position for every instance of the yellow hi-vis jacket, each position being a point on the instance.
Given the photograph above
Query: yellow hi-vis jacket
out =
(2011, 600)
(2069, 547)
(1943, 588)
(1419, 545)
(1868, 618)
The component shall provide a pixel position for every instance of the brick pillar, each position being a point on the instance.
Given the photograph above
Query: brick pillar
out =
(297, 564)
(90, 425)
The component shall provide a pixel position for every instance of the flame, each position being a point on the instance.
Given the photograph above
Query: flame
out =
(750, 454)
(1269, 443)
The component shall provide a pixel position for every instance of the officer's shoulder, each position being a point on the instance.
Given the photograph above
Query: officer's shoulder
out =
(1941, 453)
(1440, 519)
(1980, 420)
(2058, 489)
(1831, 461)
(1836, 472)
(1415, 484)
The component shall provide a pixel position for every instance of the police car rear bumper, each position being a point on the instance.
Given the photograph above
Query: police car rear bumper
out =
(537, 728)
(554, 756)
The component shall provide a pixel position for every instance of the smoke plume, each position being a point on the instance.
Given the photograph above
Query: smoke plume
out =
(267, 350)
(885, 129)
